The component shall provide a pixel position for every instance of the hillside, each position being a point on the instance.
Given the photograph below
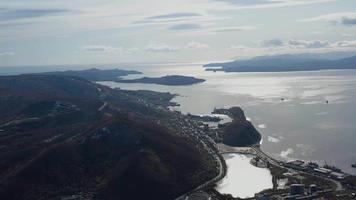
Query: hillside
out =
(62, 136)
(94, 74)
(283, 63)
(239, 132)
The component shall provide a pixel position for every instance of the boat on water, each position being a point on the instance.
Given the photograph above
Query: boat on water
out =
(353, 165)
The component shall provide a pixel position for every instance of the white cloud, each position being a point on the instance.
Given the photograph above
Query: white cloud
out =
(344, 18)
(346, 35)
(6, 54)
(240, 47)
(292, 46)
(259, 4)
(308, 44)
(272, 43)
(158, 47)
(197, 45)
(161, 47)
(102, 48)
(345, 44)
(233, 29)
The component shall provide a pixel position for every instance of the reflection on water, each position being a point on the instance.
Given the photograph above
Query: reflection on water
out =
(291, 109)
(243, 179)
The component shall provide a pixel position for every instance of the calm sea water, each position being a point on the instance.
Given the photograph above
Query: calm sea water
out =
(302, 126)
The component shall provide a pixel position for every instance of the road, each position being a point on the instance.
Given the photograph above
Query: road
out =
(102, 106)
(217, 178)
(262, 155)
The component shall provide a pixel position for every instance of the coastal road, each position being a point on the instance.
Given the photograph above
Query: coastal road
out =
(217, 178)
(261, 154)
(101, 108)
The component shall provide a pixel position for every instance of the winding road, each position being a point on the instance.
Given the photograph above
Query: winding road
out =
(212, 181)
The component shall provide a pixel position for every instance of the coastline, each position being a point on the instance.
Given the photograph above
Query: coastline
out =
(280, 170)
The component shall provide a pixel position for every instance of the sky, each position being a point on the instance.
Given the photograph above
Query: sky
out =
(62, 32)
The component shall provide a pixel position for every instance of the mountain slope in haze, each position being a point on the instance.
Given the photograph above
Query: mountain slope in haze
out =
(94, 74)
(284, 63)
(63, 136)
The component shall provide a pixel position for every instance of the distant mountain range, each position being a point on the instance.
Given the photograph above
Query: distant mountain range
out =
(283, 63)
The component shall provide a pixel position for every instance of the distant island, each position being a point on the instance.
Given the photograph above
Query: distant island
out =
(283, 63)
(173, 80)
(94, 74)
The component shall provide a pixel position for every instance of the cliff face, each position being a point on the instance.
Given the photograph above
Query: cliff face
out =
(239, 132)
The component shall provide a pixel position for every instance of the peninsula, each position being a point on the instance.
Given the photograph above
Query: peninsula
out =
(173, 80)
(240, 132)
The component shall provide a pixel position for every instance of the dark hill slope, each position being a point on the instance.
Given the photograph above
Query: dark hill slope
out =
(68, 136)
(239, 132)
(94, 74)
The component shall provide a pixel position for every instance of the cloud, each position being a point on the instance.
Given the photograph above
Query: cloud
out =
(197, 45)
(233, 29)
(170, 18)
(305, 44)
(174, 16)
(101, 48)
(346, 43)
(256, 4)
(157, 47)
(240, 47)
(3, 54)
(191, 26)
(250, 2)
(272, 43)
(346, 35)
(293, 47)
(295, 44)
(16, 14)
(345, 18)
(161, 48)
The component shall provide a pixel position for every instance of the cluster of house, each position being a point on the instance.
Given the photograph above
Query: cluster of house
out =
(301, 192)
(311, 167)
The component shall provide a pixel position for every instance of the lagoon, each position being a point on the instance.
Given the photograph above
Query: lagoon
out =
(242, 179)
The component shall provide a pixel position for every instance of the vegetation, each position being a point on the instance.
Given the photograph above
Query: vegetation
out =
(63, 135)
(239, 132)
(95, 74)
